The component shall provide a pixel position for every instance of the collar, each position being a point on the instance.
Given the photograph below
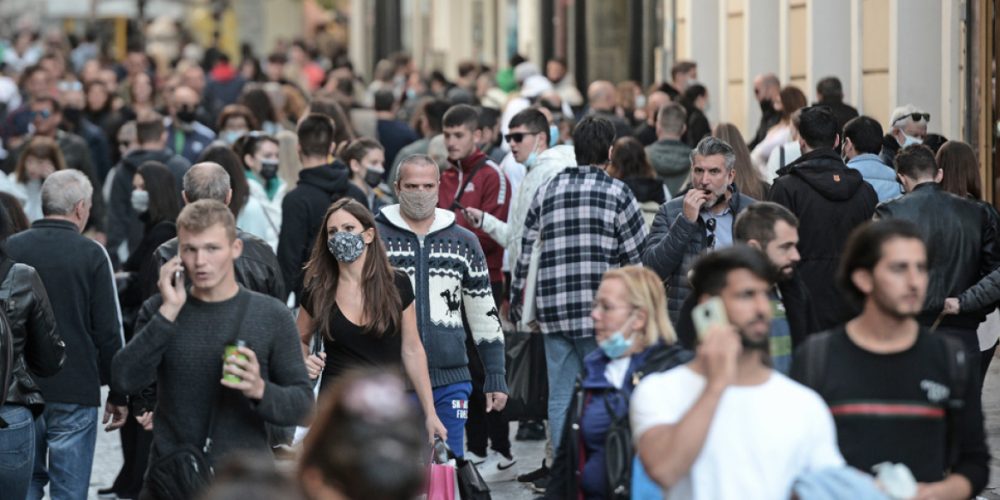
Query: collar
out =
(469, 162)
(931, 185)
(55, 224)
(865, 157)
(596, 362)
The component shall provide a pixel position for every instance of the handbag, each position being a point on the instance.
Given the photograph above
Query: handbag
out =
(531, 282)
(186, 471)
(442, 483)
(527, 376)
(471, 485)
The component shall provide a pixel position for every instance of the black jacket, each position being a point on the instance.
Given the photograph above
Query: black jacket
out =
(647, 189)
(697, 127)
(842, 112)
(962, 246)
(256, 268)
(123, 222)
(302, 213)
(830, 200)
(795, 297)
(38, 349)
(769, 117)
(889, 149)
(77, 275)
(143, 267)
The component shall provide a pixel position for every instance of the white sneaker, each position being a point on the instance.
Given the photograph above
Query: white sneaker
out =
(476, 459)
(498, 468)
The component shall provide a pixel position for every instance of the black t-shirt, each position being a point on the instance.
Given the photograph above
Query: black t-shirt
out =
(352, 347)
(893, 407)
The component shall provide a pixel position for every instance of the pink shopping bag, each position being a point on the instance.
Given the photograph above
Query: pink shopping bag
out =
(441, 484)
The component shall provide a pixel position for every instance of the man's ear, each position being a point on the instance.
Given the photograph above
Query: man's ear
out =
(237, 248)
(229, 197)
(836, 141)
(938, 176)
(863, 280)
(184, 196)
(755, 244)
(477, 135)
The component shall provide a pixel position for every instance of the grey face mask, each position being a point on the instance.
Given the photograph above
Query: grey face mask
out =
(140, 201)
(418, 205)
(345, 246)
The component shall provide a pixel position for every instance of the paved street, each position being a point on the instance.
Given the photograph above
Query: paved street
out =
(529, 454)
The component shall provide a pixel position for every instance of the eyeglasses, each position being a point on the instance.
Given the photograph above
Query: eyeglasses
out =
(518, 136)
(710, 240)
(605, 308)
(915, 117)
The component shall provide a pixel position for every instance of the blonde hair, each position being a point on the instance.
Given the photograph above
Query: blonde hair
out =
(200, 215)
(644, 291)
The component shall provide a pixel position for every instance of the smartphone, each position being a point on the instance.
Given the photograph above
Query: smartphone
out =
(708, 314)
(455, 204)
(178, 276)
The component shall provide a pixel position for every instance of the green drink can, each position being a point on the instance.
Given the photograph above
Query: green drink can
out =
(231, 350)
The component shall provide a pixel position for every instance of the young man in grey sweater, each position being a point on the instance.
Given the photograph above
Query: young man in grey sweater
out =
(182, 336)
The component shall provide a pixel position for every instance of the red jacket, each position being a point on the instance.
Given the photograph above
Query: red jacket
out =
(488, 191)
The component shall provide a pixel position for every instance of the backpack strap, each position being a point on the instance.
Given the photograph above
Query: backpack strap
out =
(465, 183)
(816, 349)
(958, 377)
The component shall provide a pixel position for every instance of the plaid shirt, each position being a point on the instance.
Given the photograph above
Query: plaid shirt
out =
(590, 222)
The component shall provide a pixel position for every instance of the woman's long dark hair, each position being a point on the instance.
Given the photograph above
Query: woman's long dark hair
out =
(383, 306)
(960, 170)
(161, 185)
(628, 159)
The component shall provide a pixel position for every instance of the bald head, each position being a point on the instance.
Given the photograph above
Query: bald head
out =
(654, 102)
(767, 86)
(185, 96)
(601, 95)
(207, 181)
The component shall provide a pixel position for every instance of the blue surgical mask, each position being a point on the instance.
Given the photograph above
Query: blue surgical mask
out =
(231, 136)
(616, 345)
(553, 135)
(345, 246)
(909, 140)
(532, 157)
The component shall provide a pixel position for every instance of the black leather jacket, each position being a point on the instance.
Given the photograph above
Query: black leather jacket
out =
(38, 349)
(961, 246)
(256, 269)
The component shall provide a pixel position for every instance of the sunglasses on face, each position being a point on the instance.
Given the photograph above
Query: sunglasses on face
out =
(916, 117)
(518, 136)
(43, 114)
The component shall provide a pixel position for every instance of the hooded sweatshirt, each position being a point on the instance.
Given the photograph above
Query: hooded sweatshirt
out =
(508, 234)
(487, 190)
(123, 222)
(302, 213)
(448, 273)
(830, 200)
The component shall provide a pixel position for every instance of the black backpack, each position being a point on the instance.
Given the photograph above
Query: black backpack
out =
(6, 343)
(618, 449)
(815, 355)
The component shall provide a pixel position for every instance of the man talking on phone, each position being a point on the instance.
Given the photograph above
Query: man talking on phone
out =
(696, 221)
(727, 414)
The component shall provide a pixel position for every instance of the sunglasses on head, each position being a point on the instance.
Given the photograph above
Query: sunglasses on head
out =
(518, 136)
(915, 117)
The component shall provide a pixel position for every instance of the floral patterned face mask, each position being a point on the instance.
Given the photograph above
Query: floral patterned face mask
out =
(345, 246)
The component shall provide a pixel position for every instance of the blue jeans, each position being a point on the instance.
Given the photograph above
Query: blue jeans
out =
(17, 450)
(452, 405)
(66, 434)
(564, 360)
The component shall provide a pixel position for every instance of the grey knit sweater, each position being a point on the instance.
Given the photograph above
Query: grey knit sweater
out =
(184, 358)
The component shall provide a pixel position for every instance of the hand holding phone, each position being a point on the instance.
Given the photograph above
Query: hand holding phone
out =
(710, 313)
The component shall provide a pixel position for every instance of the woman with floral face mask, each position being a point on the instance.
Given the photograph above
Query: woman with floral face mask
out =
(366, 158)
(362, 308)
(634, 337)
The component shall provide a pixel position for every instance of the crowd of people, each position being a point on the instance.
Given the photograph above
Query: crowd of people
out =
(798, 312)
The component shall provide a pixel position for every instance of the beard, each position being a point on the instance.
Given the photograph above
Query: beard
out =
(761, 344)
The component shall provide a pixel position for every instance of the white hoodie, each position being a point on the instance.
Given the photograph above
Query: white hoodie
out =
(508, 234)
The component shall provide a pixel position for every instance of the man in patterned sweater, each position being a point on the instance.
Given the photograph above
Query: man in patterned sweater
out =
(588, 222)
(452, 288)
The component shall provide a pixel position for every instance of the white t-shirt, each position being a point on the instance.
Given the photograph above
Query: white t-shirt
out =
(761, 439)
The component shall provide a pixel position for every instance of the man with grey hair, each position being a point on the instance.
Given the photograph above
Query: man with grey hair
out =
(695, 221)
(907, 126)
(447, 268)
(669, 155)
(257, 267)
(77, 275)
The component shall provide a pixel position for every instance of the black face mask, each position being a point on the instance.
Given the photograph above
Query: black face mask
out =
(186, 115)
(72, 115)
(766, 106)
(268, 169)
(373, 177)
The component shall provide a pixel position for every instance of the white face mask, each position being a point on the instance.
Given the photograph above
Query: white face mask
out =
(909, 140)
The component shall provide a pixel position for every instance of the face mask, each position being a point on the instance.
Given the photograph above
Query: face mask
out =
(766, 106)
(72, 115)
(909, 140)
(553, 135)
(231, 136)
(140, 201)
(532, 157)
(616, 345)
(268, 168)
(345, 246)
(417, 205)
(373, 176)
(186, 115)
(411, 94)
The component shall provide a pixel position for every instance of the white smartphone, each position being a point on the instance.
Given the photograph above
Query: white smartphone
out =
(708, 314)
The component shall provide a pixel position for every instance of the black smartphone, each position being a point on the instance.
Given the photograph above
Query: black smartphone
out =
(457, 205)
